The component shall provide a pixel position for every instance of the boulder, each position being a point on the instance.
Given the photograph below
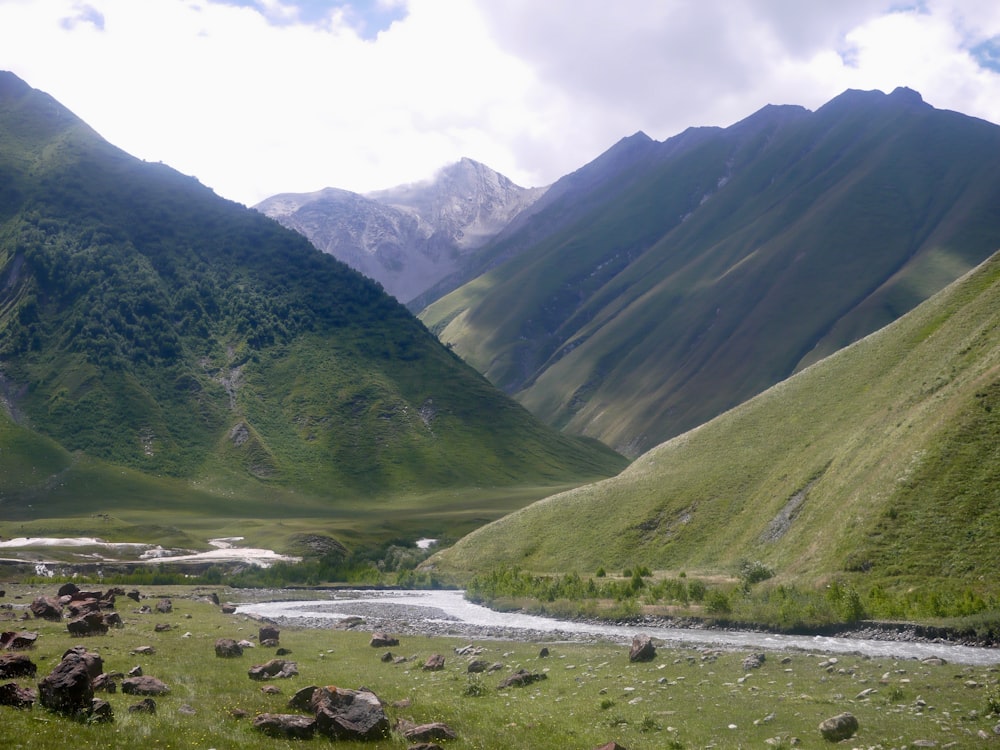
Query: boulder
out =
(428, 732)
(381, 640)
(477, 665)
(68, 589)
(286, 726)
(46, 608)
(145, 706)
(16, 665)
(105, 682)
(302, 700)
(753, 661)
(67, 689)
(839, 727)
(274, 669)
(134, 595)
(18, 640)
(100, 711)
(80, 607)
(227, 648)
(343, 714)
(113, 620)
(642, 649)
(521, 678)
(165, 606)
(91, 623)
(93, 660)
(228, 609)
(144, 685)
(268, 633)
(15, 696)
(162, 627)
(434, 663)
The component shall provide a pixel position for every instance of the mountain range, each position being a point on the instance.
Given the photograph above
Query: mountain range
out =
(154, 334)
(408, 238)
(666, 282)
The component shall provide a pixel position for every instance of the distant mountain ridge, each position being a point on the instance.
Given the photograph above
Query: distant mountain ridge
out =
(666, 282)
(408, 237)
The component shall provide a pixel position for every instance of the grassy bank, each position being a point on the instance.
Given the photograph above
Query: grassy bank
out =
(592, 694)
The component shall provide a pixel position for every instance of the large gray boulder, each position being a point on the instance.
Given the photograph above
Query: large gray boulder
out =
(67, 689)
(343, 714)
(839, 727)
(642, 648)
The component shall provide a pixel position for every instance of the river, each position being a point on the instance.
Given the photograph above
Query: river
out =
(449, 613)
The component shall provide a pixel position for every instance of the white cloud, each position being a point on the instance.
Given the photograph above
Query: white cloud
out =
(255, 102)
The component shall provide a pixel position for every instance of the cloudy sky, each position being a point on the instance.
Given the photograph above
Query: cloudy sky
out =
(257, 97)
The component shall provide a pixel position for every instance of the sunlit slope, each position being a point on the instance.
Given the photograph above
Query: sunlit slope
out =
(726, 260)
(882, 460)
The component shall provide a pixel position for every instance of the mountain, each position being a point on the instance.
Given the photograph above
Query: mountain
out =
(150, 329)
(666, 282)
(879, 462)
(409, 237)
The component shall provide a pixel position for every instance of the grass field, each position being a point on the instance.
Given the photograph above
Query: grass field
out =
(685, 698)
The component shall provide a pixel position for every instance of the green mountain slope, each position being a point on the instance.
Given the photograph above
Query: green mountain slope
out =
(148, 324)
(881, 461)
(722, 261)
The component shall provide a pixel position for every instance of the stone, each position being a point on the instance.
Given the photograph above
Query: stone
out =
(429, 732)
(642, 649)
(274, 669)
(145, 706)
(93, 660)
(343, 714)
(89, 624)
(144, 685)
(543, 653)
(434, 663)
(143, 651)
(135, 671)
(18, 641)
(839, 727)
(268, 633)
(16, 665)
(477, 665)
(67, 688)
(68, 589)
(381, 640)
(228, 609)
(46, 608)
(227, 648)
(286, 726)
(753, 661)
(100, 711)
(521, 678)
(134, 595)
(105, 683)
(302, 700)
(271, 690)
(386, 657)
(162, 627)
(610, 746)
(165, 606)
(113, 620)
(15, 696)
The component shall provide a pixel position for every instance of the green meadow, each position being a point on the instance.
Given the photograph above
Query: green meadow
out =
(684, 698)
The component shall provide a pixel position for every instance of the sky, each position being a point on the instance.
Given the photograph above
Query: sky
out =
(259, 97)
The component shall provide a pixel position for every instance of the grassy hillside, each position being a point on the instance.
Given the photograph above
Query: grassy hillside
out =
(726, 261)
(150, 326)
(879, 463)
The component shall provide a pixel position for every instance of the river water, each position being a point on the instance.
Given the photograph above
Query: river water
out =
(449, 613)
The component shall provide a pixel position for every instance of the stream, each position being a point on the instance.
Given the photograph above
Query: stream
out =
(449, 613)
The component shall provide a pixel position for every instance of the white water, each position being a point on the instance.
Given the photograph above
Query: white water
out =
(451, 610)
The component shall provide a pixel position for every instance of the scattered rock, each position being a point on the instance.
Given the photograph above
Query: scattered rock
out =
(228, 609)
(15, 696)
(642, 649)
(68, 589)
(477, 665)
(18, 641)
(67, 689)
(286, 726)
(434, 663)
(268, 633)
(753, 661)
(302, 700)
(145, 706)
(144, 686)
(429, 732)
(134, 595)
(274, 669)
(162, 627)
(46, 608)
(165, 606)
(283, 652)
(93, 660)
(839, 727)
(386, 657)
(521, 678)
(271, 690)
(381, 640)
(91, 623)
(543, 653)
(135, 671)
(143, 651)
(343, 714)
(16, 665)
(105, 683)
(227, 648)
(100, 711)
